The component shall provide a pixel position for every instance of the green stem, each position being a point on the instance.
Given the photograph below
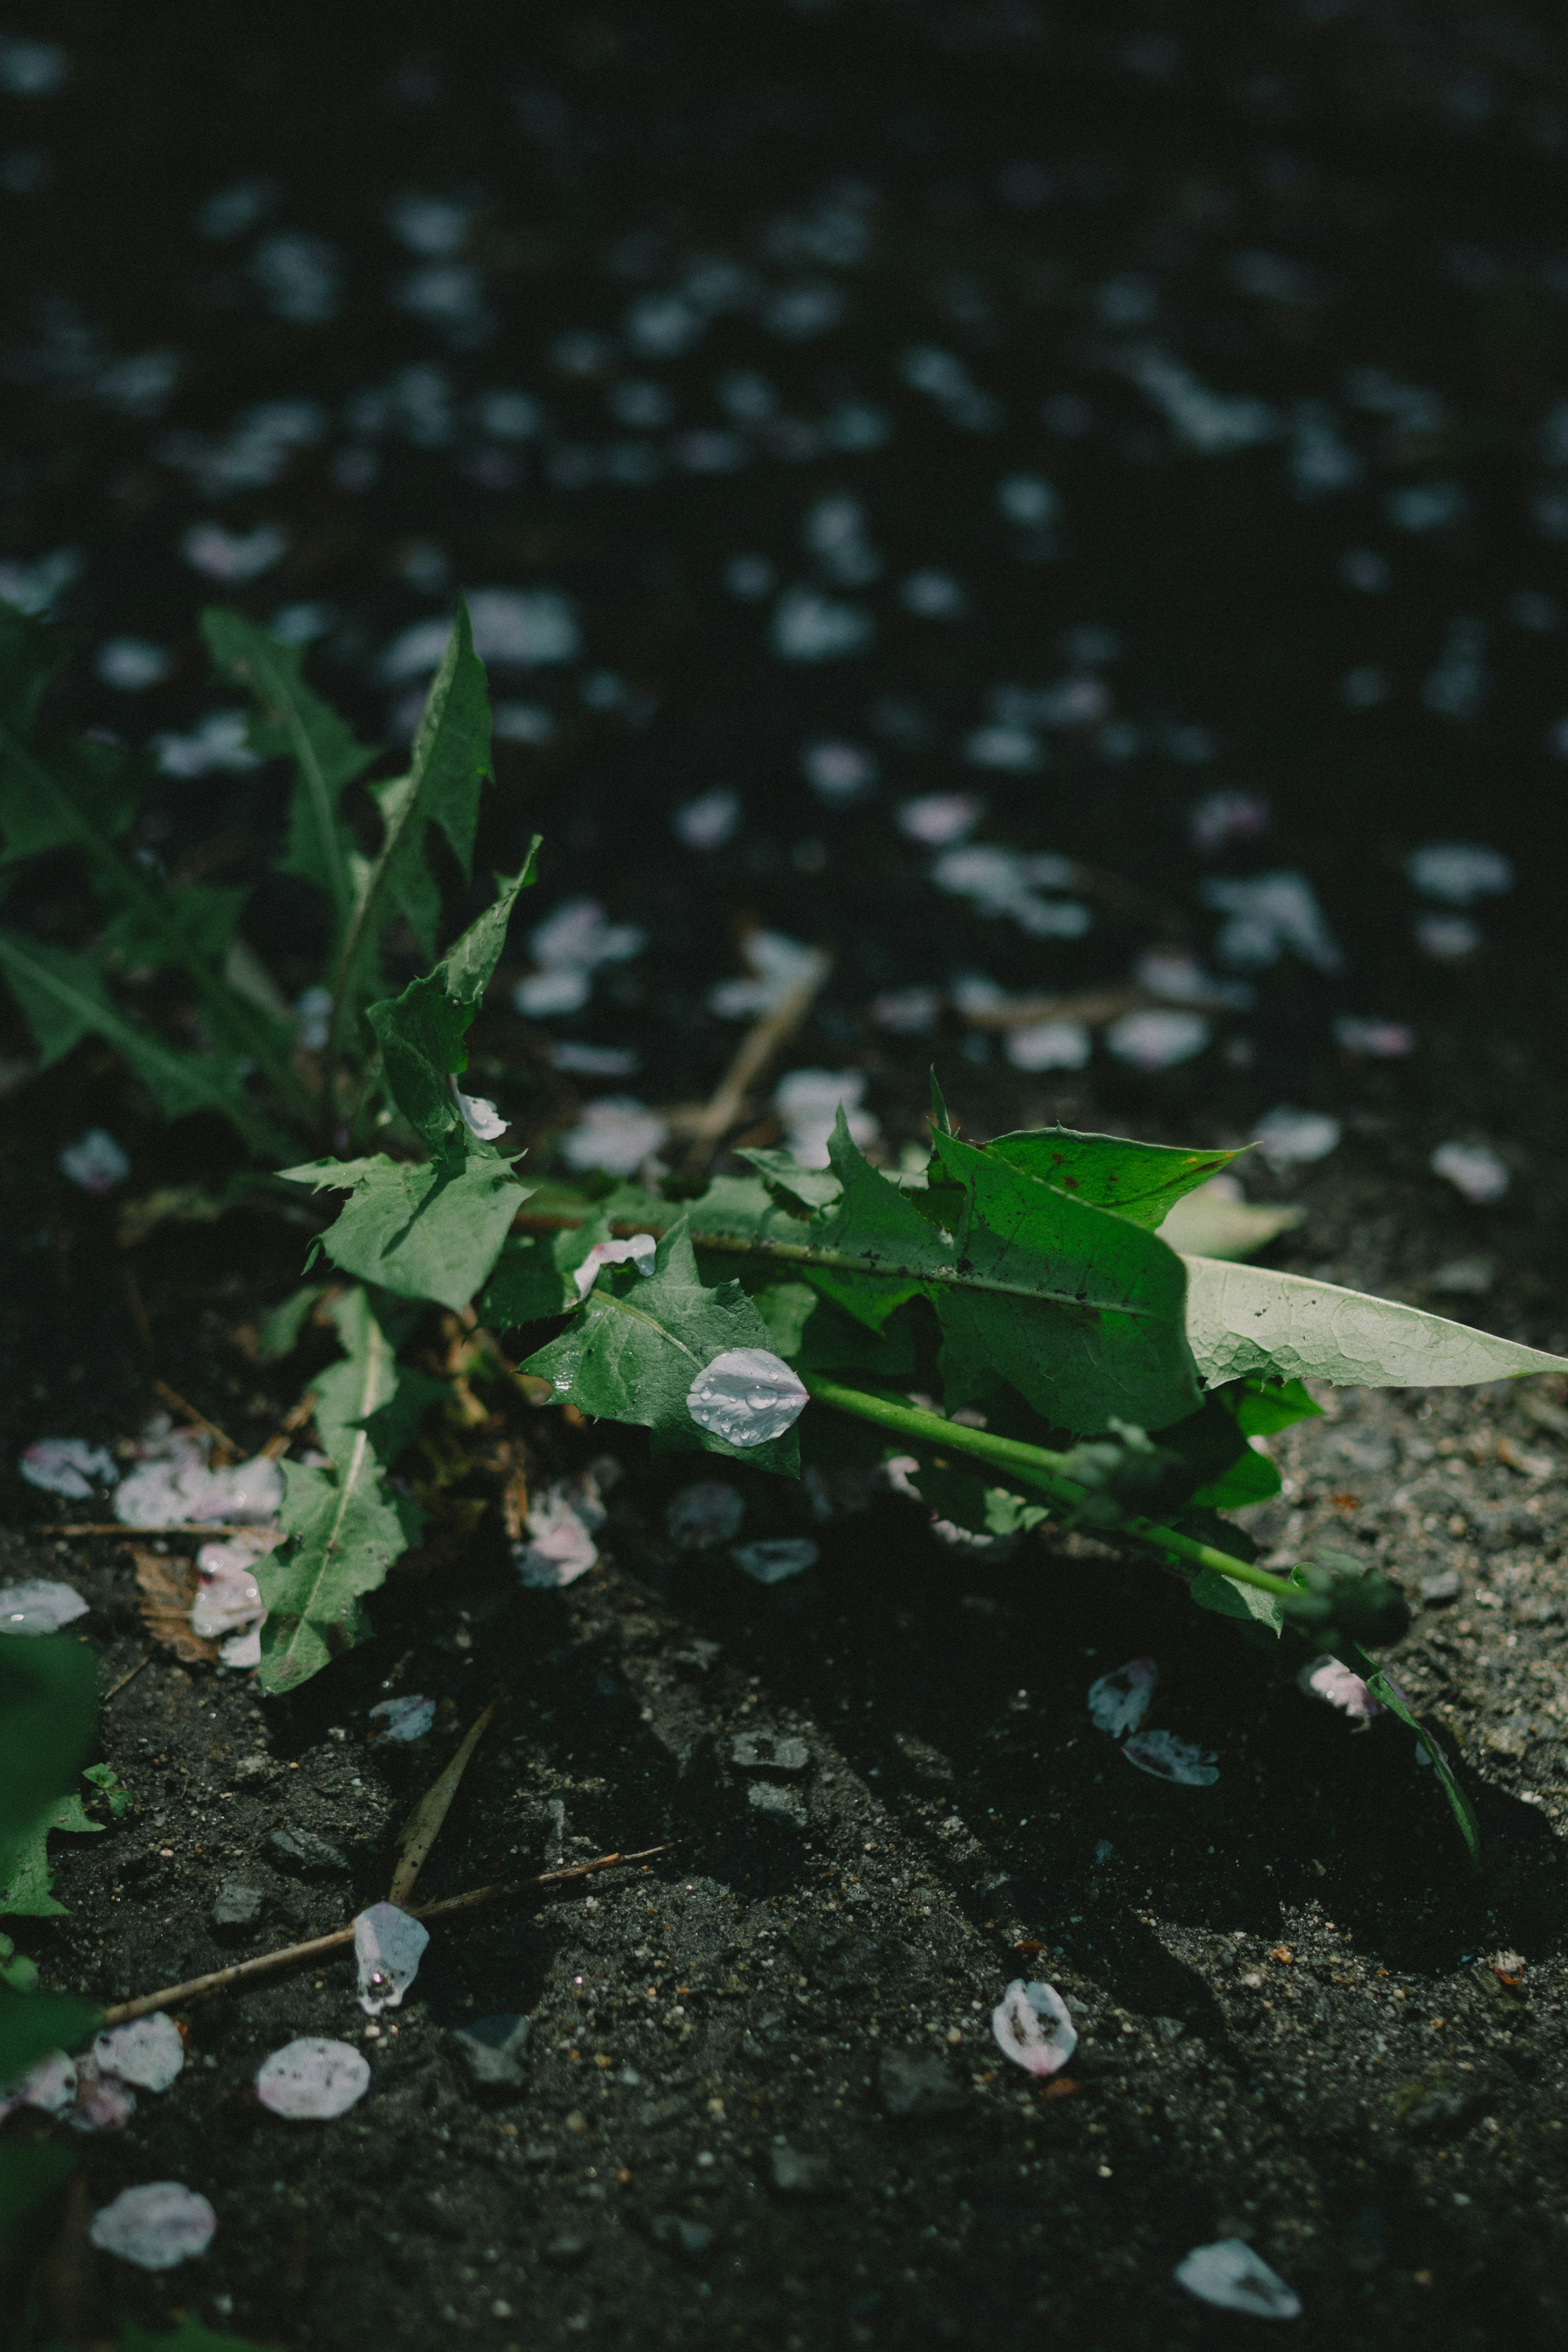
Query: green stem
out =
(812, 1254)
(1039, 1467)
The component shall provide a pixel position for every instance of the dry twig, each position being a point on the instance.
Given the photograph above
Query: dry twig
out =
(477, 1898)
(762, 1040)
(227, 1450)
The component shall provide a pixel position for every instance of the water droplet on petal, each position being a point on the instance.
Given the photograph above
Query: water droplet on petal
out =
(747, 1396)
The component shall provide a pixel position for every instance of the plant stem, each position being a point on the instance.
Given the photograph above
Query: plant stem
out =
(1039, 1468)
(808, 1254)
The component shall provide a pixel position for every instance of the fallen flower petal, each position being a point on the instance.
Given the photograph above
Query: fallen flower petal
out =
(747, 1396)
(388, 1947)
(707, 1513)
(148, 2051)
(478, 1114)
(103, 2102)
(1289, 1138)
(313, 2080)
(1327, 1679)
(1033, 2028)
(38, 1606)
(560, 1546)
(50, 2085)
(1167, 1758)
(770, 1562)
(157, 2225)
(1228, 2274)
(67, 1465)
(637, 1249)
(1474, 1169)
(403, 1719)
(1118, 1701)
(95, 1161)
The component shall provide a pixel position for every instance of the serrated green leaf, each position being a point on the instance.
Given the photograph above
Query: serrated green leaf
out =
(48, 1707)
(534, 1279)
(369, 1391)
(280, 1333)
(1249, 1321)
(813, 1188)
(344, 1530)
(75, 794)
(1139, 1181)
(421, 1037)
(1101, 1336)
(290, 720)
(65, 1001)
(470, 964)
(1251, 1477)
(1226, 1598)
(189, 925)
(1261, 1408)
(424, 1230)
(24, 1889)
(640, 1341)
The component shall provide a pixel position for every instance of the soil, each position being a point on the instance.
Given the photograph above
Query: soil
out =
(1292, 2028)
(761, 2100)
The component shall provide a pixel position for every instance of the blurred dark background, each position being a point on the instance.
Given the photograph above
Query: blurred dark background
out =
(1132, 438)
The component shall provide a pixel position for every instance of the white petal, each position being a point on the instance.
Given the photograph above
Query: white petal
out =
(1328, 1679)
(409, 1718)
(638, 1249)
(50, 2085)
(1033, 2028)
(66, 1465)
(155, 2225)
(1167, 1758)
(746, 1396)
(388, 1947)
(1228, 2274)
(709, 1512)
(771, 1561)
(478, 1114)
(102, 2101)
(148, 2052)
(1118, 1701)
(560, 1546)
(313, 2080)
(38, 1606)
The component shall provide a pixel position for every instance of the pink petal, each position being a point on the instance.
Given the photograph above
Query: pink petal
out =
(1033, 2028)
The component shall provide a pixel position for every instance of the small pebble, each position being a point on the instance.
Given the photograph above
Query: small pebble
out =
(307, 1855)
(917, 2084)
(798, 2174)
(492, 2049)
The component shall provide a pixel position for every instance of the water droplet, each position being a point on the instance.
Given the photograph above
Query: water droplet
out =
(746, 1396)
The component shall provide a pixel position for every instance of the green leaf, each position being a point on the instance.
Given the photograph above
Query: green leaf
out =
(640, 1341)
(451, 760)
(421, 1032)
(48, 1709)
(424, 1230)
(1249, 1321)
(184, 926)
(64, 1000)
(26, 1893)
(1139, 1181)
(369, 1391)
(1101, 1336)
(30, 2172)
(190, 2335)
(533, 1279)
(291, 720)
(105, 1779)
(345, 1530)
(1263, 1407)
(71, 795)
(280, 1333)
(1226, 1598)
(1384, 1689)
(1251, 1477)
(34, 2023)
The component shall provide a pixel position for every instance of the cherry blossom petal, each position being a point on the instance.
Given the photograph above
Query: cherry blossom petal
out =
(1118, 1701)
(1228, 2274)
(1033, 2028)
(388, 1947)
(156, 2225)
(1167, 1758)
(313, 2080)
(148, 2051)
